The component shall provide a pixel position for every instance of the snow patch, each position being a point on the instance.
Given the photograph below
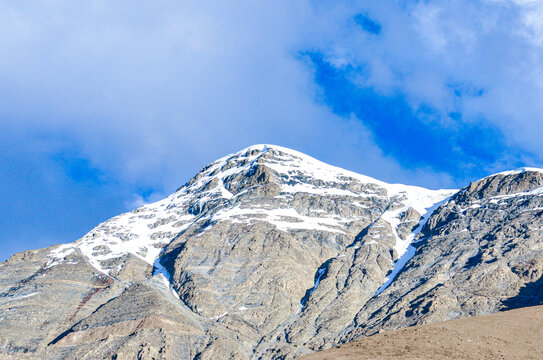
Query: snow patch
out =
(221, 316)
(422, 201)
(23, 296)
(410, 250)
(283, 219)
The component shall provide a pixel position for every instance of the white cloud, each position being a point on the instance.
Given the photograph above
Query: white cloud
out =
(163, 88)
(490, 50)
(151, 92)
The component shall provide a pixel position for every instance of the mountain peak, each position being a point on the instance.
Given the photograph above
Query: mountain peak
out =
(269, 253)
(287, 162)
(260, 182)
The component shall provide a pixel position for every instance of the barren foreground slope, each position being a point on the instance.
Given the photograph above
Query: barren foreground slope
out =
(514, 334)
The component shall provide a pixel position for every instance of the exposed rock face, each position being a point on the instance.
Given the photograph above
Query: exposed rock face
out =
(268, 253)
(481, 252)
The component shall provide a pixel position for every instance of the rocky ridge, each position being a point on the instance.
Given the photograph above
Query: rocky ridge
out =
(269, 253)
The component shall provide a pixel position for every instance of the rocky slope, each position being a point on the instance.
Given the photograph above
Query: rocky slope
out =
(268, 253)
(481, 252)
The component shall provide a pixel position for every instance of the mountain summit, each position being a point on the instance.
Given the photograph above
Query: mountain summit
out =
(269, 253)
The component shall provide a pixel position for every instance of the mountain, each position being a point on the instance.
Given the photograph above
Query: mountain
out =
(269, 253)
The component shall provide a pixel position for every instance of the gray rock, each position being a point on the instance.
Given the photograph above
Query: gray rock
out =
(481, 252)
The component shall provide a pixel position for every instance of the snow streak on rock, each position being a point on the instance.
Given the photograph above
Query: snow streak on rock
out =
(409, 252)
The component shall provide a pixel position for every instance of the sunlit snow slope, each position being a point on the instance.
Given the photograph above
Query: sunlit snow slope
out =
(146, 230)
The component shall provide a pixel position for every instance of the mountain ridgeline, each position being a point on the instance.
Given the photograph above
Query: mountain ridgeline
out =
(270, 254)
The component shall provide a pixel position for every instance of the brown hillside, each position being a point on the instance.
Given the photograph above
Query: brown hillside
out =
(514, 334)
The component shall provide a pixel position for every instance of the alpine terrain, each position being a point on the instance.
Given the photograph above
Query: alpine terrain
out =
(270, 254)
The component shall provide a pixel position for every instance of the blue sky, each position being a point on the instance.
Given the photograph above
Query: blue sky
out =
(106, 106)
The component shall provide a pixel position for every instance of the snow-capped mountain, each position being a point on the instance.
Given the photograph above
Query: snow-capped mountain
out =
(269, 253)
(144, 232)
